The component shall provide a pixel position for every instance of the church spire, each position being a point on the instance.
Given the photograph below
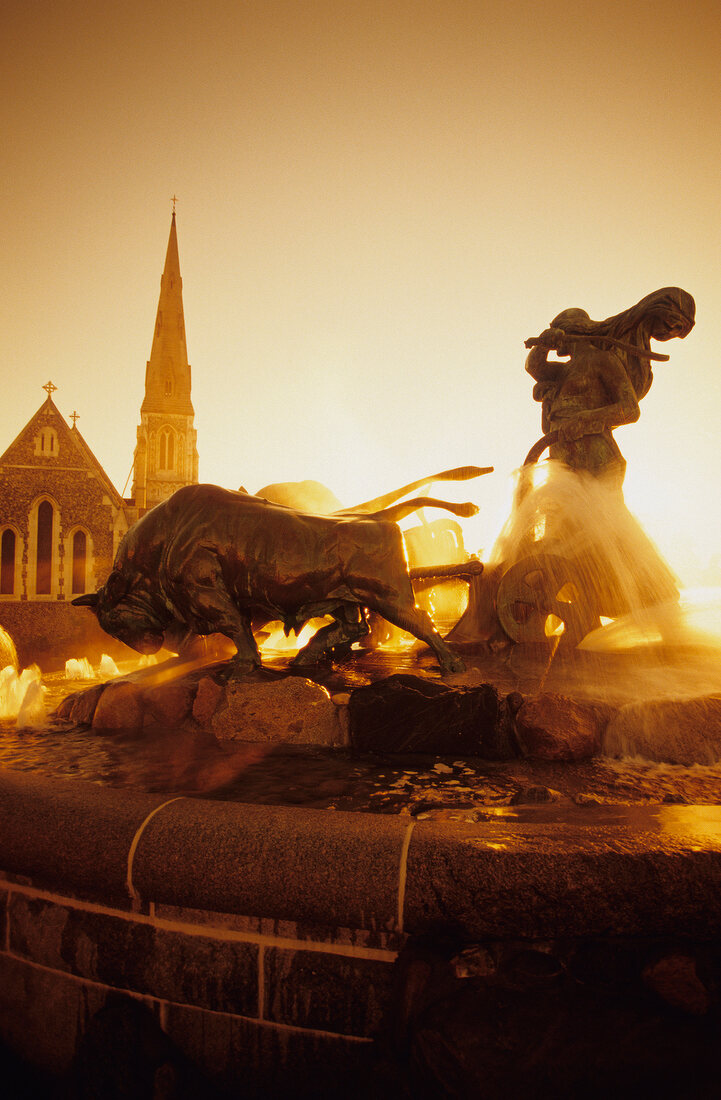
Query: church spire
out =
(167, 376)
(166, 454)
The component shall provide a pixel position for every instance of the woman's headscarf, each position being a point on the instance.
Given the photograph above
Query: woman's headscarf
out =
(662, 315)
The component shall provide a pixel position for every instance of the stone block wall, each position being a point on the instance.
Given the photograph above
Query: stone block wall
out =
(47, 633)
(284, 951)
(250, 999)
(121, 907)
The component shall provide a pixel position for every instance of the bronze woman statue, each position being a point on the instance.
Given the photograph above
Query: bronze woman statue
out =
(606, 373)
(570, 547)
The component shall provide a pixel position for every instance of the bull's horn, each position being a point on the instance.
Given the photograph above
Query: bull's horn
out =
(90, 599)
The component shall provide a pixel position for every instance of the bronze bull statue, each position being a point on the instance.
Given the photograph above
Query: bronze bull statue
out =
(209, 560)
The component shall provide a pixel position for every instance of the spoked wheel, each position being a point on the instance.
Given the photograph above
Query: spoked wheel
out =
(542, 595)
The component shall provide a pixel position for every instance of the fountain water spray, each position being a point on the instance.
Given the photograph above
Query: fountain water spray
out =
(22, 696)
(107, 667)
(32, 709)
(79, 668)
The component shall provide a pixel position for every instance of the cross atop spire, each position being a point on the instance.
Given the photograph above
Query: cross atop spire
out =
(74, 416)
(50, 388)
(174, 200)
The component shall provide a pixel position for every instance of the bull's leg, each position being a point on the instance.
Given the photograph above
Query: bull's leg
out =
(420, 624)
(222, 617)
(209, 609)
(346, 629)
(247, 658)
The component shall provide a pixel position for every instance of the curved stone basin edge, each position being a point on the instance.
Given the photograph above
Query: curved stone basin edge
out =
(533, 872)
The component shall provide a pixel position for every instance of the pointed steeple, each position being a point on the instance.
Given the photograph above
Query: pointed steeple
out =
(167, 375)
(166, 455)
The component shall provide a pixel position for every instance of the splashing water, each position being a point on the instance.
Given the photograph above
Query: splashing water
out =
(107, 667)
(695, 619)
(675, 731)
(22, 696)
(615, 568)
(8, 653)
(79, 668)
(646, 645)
(32, 713)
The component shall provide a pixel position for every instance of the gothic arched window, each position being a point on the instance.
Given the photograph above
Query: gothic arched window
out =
(167, 450)
(7, 563)
(80, 554)
(44, 560)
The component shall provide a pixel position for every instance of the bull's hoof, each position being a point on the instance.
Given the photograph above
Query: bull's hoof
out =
(307, 660)
(452, 664)
(240, 670)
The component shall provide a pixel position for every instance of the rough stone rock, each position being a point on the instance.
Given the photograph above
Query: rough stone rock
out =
(551, 727)
(292, 711)
(169, 704)
(675, 731)
(475, 961)
(495, 1021)
(206, 700)
(534, 794)
(675, 980)
(120, 706)
(343, 724)
(405, 713)
(80, 707)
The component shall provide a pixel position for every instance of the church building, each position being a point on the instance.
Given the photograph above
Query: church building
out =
(62, 519)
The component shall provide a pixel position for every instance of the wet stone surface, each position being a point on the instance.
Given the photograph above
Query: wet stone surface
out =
(459, 785)
(418, 785)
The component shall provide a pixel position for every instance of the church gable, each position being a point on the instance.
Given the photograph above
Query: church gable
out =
(44, 441)
(47, 444)
(58, 512)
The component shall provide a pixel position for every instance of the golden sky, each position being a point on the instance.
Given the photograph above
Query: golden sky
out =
(377, 203)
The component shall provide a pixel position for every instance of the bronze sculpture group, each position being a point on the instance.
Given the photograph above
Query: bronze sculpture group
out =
(208, 560)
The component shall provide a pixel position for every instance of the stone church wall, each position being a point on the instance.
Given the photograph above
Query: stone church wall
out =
(47, 629)
(47, 633)
(80, 501)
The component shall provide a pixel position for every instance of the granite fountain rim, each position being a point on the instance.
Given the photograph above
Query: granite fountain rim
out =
(526, 871)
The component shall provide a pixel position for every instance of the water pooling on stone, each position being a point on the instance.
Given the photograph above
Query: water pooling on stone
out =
(181, 761)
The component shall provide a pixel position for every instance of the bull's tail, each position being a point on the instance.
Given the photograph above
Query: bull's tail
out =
(398, 512)
(460, 473)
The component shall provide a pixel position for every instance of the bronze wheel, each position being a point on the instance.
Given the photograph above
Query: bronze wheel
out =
(542, 595)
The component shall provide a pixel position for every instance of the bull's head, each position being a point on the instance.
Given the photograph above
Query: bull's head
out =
(129, 609)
